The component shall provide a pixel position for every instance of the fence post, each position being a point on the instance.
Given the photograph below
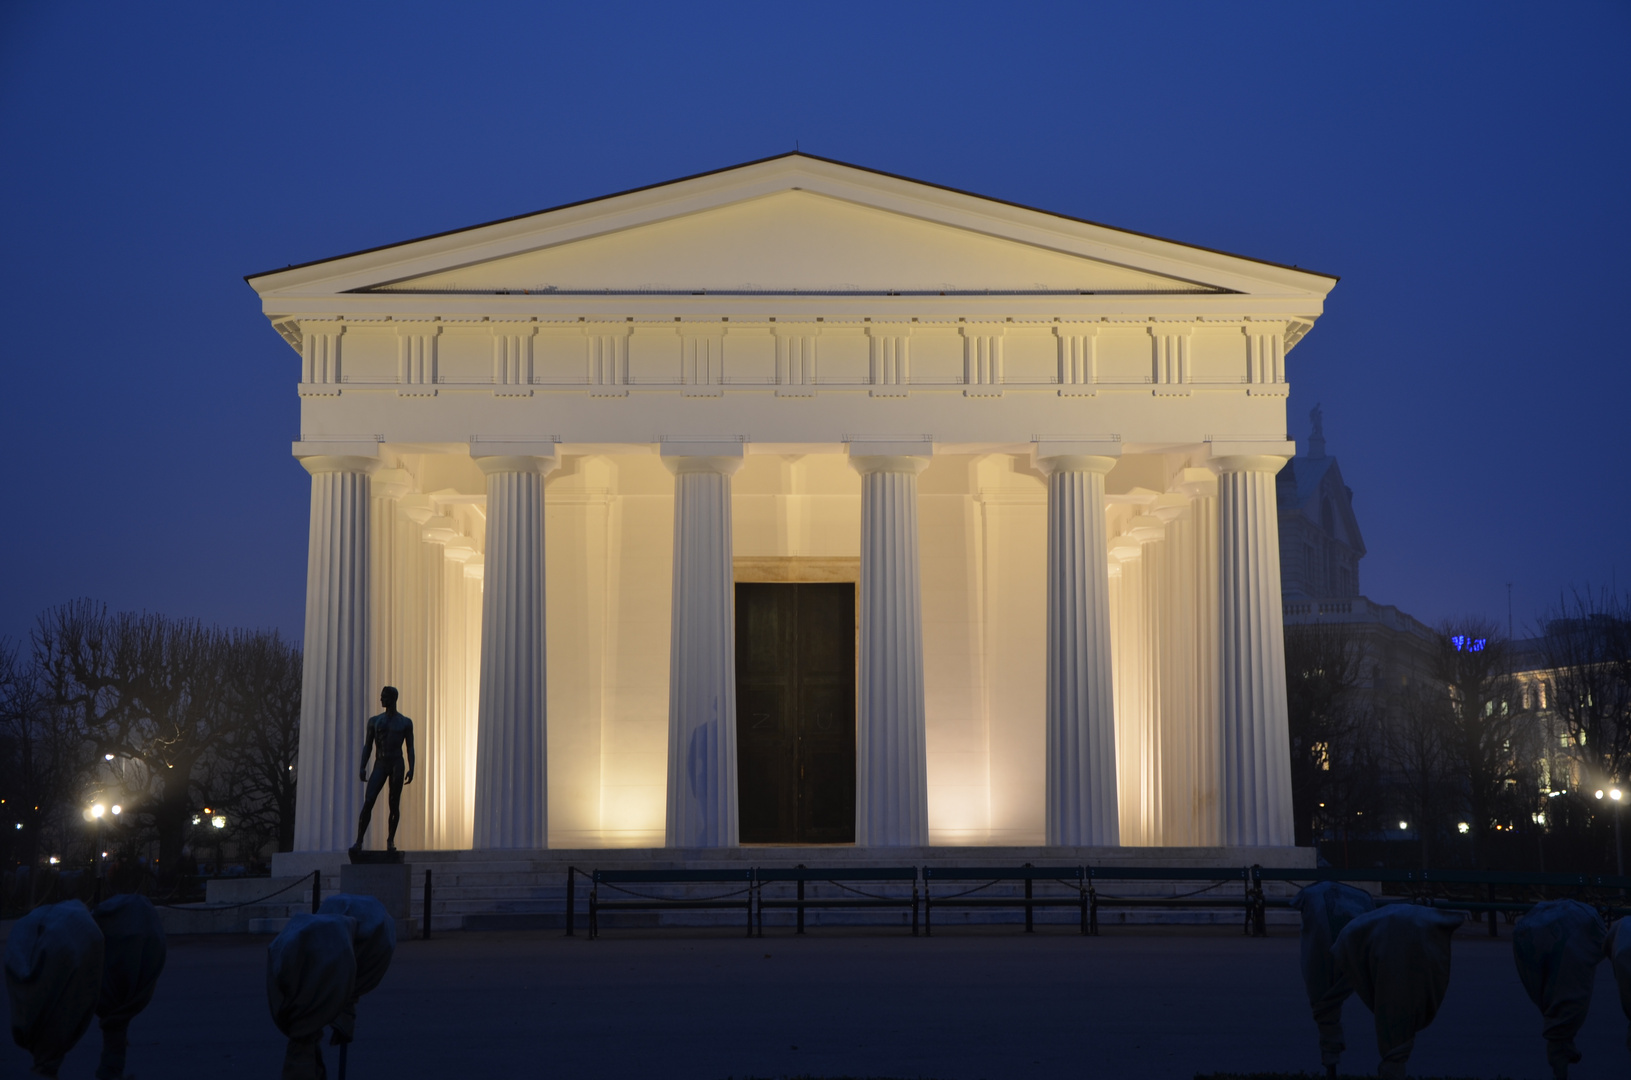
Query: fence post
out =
(316, 890)
(1259, 909)
(801, 866)
(1029, 928)
(571, 901)
(424, 932)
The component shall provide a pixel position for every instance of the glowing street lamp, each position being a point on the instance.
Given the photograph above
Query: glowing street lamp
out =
(98, 810)
(218, 821)
(1403, 825)
(1463, 828)
(116, 809)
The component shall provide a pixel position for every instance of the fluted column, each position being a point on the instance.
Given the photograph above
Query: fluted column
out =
(1202, 487)
(386, 487)
(1128, 657)
(1177, 636)
(1080, 736)
(1255, 746)
(702, 656)
(512, 777)
(1152, 534)
(891, 789)
(458, 719)
(334, 694)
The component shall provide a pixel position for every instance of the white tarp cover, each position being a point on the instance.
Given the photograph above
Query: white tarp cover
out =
(133, 954)
(1557, 946)
(373, 944)
(53, 974)
(1619, 961)
(311, 976)
(1326, 908)
(1398, 960)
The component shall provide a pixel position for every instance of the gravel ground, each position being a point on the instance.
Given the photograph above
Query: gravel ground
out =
(1148, 1002)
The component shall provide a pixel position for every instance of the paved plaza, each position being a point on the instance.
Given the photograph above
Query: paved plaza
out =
(1136, 1002)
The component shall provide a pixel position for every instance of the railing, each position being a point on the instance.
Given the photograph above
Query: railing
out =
(1083, 889)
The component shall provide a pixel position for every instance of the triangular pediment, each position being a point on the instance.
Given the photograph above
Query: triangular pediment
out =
(794, 242)
(793, 224)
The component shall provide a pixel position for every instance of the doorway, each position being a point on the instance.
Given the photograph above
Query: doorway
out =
(795, 713)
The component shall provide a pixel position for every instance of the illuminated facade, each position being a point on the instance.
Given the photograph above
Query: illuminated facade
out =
(798, 502)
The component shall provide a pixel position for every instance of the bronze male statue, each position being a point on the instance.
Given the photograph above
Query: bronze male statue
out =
(386, 736)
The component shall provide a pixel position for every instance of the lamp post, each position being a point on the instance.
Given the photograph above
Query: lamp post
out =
(1617, 797)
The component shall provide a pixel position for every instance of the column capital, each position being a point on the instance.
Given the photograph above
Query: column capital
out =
(1249, 455)
(492, 464)
(889, 445)
(1125, 549)
(1197, 483)
(439, 529)
(390, 483)
(1145, 528)
(331, 463)
(701, 464)
(689, 455)
(1170, 507)
(1066, 453)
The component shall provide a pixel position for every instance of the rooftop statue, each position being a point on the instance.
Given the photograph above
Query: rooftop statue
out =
(388, 734)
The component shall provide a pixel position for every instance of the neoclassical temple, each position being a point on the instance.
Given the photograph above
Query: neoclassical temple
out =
(797, 503)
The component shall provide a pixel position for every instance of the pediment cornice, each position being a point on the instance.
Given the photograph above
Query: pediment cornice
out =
(1153, 277)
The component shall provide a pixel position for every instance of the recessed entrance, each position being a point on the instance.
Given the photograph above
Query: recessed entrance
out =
(795, 713)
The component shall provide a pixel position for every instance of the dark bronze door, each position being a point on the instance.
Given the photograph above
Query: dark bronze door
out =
(795, 713)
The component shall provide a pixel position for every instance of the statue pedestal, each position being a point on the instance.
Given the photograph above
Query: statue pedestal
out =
(375, 858)
(390, 884)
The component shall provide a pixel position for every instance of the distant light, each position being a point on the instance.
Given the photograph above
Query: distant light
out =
(218, 821)
(1463, 643)
(1555, 794)
(1404, 824)
(1462, 827)
(196, 819)
(107, 757)
(117, 808)
(104, 854)
(55, 860)
(98, 810)
(1599, 793)
(1540, 818)
(1615, 793)
(19, 824)
(206, 810)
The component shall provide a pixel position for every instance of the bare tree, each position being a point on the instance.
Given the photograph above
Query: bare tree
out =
(1418, 757)
(41, 764)
(1487, 735)
(1326, 723)
(146, 689)
(1586, 643)
(1586, 646)
(258, 771)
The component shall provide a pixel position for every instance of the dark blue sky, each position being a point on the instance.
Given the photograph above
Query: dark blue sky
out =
(1464, 168)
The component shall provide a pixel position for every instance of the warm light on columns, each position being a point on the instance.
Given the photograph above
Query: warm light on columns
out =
(702, 807)
(1255, 762)
(512, 800)
(334, 694)
(1080, 787)
(891, 789)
